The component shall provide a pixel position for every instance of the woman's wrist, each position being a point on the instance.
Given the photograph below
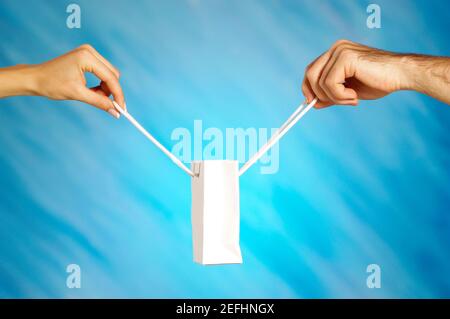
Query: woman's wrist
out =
(18, 80)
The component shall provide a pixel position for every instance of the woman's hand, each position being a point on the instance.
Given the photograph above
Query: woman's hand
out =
(63, 79)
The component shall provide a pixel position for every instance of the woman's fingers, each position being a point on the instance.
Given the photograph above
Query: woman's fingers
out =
(101, 58)
(100, 90)
(98, 68)
(97, 97)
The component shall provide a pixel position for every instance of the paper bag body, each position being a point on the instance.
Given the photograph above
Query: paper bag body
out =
(215, 212)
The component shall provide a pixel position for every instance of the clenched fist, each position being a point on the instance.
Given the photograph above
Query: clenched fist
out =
(349, 71)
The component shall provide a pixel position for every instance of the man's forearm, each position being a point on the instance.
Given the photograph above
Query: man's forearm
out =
(17, 80)
(430, 75)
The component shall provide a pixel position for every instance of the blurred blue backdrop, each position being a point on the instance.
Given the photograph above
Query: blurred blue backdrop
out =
(356, 185)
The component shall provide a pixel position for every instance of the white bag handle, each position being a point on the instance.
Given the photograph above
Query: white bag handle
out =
(153, 140)
(290, 122)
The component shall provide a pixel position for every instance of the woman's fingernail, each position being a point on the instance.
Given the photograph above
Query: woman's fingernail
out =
(114, 113)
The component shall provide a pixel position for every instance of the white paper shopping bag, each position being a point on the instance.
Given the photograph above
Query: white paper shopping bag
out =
(215, 212)
(215, 195)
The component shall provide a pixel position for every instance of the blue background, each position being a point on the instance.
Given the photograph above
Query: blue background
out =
(356, 185)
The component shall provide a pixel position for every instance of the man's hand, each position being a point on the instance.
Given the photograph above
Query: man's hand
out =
(348, 72)
(63, 79)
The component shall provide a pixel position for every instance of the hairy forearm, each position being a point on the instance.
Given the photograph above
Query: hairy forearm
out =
(17, 80)
(429, 75)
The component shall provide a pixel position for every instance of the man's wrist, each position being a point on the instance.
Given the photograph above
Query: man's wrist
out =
(421, 71)
(410, 72)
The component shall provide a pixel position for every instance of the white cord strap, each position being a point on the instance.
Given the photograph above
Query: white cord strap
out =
(153, 140)
(290, 122)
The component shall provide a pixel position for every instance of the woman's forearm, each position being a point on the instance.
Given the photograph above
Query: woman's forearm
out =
(18, 80)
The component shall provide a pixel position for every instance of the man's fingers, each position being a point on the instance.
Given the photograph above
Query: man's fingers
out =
(340, 65)
(313, 80)
(307, 91)
(326, 80)
(309, 95)
(333, 83)
(313, 73)
(321, 105)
